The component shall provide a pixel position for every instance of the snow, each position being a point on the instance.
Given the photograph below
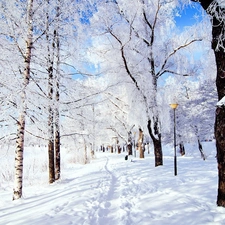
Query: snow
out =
(221, 3)
(221, 102)
(112, 191)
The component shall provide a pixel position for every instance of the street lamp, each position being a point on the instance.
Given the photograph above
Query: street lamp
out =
(174, 106)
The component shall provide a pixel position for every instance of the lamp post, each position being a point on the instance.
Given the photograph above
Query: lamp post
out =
(174, 106)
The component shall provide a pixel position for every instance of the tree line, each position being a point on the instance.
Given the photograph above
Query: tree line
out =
(74, 65)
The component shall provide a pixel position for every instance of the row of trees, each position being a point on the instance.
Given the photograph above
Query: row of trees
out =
(35, 39)
(135, 46)
(129, 57)
(141, 45)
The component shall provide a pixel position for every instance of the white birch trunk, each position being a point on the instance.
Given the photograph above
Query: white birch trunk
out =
(18, 179)
(50, 69)
(57, 125)
(51, 117)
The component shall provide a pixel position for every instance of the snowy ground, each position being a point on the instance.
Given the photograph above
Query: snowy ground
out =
(112, 191)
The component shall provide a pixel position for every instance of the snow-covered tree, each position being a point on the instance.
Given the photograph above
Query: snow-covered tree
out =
(21, 35)
(216, 10)
(141, 44)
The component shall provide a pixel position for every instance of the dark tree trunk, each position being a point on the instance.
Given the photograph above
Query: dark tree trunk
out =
(182, 149)
(57, 154)
(217, 30)
(119, 149)
(220, 146)
(201, 150)
(51, 161)
(129, 149)
(51, 155)
(157, 144)
(129, 145)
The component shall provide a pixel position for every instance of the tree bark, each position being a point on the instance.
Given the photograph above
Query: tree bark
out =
(182, 149)
(119, 149)
(50, 63)
(57, 95)
(218, 25)
(51, 154)
(18, 180)
(220, 146)
(129, 145)
(201, 150)
(157, 144)
(57, 154)
(140, 144)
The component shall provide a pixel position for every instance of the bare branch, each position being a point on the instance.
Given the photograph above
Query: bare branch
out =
(37, 136)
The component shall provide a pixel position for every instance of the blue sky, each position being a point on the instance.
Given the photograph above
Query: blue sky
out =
(189, 15)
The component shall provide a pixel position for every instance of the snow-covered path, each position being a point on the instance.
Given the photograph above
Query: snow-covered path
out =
(112, 191)
(86, 196)
(109, 201)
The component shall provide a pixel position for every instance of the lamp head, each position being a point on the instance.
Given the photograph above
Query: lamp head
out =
(173, 105)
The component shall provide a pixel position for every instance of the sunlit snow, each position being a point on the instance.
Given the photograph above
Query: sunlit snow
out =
(221, 3)
(112, 191)
(221, 102)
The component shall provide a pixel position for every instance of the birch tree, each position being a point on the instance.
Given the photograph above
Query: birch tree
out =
(57, 98)
(60, 32)
(17, 190)
(50, 69)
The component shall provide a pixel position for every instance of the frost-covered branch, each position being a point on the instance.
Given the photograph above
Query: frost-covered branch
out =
(163, 70)
(119, 135)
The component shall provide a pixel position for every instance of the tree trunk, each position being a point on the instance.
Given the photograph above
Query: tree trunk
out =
(51, 164)
(85, 153)
(182, 149)
(51, 149)
(57, 153)
(129, 145)
(220, 146)
(57, 125)
(156, 139)
(201, 150)
(140, 144)
(18, 180)
(119, 149)
(50, 61)
(218, 45)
